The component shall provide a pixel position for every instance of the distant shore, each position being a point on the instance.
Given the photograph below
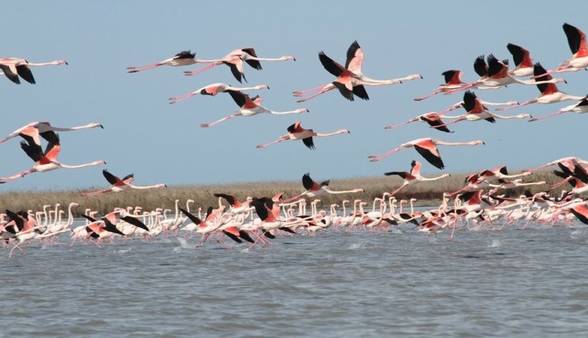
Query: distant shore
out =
(427, 193)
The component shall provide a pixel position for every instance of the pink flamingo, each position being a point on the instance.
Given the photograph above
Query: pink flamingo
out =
(413, 176)
(349, 80)
(427, 147)
(577, 42)
(549, 91)
(580, 107)
(33, 130)
(45, 161)
(235, 61)
(249, 107)
(213, 90)
(296, 132)
(452, 82)
(14, 67)
(522, 60)
(121, 184)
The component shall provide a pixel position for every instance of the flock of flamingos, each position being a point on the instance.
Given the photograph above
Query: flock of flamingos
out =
(482, 202)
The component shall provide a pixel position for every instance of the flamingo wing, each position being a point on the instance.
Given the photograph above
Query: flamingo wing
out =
(360, 92)
(430, 152)
(12, 76)
(331, 65)
(480, 66)
(253, 63)
(355, 58)
(308, 142)
(576, 39)
(25, 72)
(112, 179)
(520, 55)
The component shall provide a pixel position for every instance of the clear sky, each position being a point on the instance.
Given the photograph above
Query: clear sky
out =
(163, 143)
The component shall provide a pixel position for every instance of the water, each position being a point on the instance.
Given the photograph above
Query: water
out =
(531, 282)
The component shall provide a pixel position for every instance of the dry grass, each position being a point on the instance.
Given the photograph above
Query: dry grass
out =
(425, 192)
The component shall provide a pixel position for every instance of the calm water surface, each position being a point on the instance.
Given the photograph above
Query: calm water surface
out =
(531, 282)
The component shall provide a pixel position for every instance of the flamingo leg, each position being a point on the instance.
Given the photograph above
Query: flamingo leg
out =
(228, 117)
(376, 158)
(200, 70)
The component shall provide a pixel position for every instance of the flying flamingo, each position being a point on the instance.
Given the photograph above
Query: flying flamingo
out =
(235, 61)
(413, 176)
(476, 111)
(350, 80)
(14, 67)
(500, 172)
(495, 74)
(427, 147)
(433, 119)
(577, 42)
(121, 184)
(46, 161)
(236, 205)
(296, 132)
(452, 82)
(580, 107)
(249, 107)
(314, 188)
(549, 91)
(212, 90)
(33, 129)
(522, 60)
(183, 58)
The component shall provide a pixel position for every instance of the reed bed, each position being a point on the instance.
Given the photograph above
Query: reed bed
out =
(424, 192)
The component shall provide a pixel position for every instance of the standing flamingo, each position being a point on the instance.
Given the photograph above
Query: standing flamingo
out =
(413, 176)
(212, 90)
(121, 184)
(427, 147)
(350, 80)
(46, 161)
(33, 129)
(296, 132)
(14, 67)
(249, 107)
(235, 61)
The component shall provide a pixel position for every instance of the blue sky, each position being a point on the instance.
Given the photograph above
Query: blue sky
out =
(163, 143)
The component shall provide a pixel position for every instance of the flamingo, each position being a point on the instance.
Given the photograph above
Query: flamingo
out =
(522, 60)
(212, 90)
(580, 107)
(549, 91)
(413, 176)
(350, 80)
(33, 129)
(433, 119)
(249, 107)
(121, 184)
(577, 42)
(475, 111)
(452, 82)
(427, 147)
(46, 161)
(500, 172)
(494, 74)
(236, 205)
(314, 188)
(183, 58)
(296, 132)
(14, 67)
(235, 61)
